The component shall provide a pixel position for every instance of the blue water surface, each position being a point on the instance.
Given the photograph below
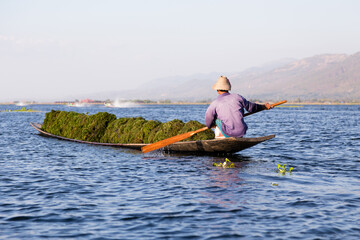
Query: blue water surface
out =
(53, 189)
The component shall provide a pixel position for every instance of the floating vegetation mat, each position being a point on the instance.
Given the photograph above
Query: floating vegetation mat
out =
(106, 128)
(291, 106)
(23, 109)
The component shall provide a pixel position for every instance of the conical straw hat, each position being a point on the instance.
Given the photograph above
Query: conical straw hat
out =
(222, 83)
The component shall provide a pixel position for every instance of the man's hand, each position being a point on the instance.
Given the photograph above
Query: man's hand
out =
(268, 106)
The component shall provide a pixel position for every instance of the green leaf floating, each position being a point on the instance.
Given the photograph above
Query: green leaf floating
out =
(282, 169)
(226, 164)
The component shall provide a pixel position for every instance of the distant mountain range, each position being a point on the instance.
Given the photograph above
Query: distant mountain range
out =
(322, 77)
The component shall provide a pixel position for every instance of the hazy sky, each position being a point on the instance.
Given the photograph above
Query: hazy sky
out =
(52, 49)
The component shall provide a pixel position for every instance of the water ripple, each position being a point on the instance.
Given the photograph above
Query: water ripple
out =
(55, 189)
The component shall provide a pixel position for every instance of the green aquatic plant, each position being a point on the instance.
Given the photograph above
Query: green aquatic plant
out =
(149, 129)
(290, 106)
(116, 131)
(129, 130)
(166, 130)
(194, 125)
(282, 169)
(96, 125)
(23, 109)
(226, 164)
(77, 125)
(104, 127)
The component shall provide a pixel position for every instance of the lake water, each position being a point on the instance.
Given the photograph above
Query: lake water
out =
(53, 189)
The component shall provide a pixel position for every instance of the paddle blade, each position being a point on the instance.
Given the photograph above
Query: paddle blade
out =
(168, 141)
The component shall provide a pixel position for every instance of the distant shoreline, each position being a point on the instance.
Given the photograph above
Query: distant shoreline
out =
(173, 103)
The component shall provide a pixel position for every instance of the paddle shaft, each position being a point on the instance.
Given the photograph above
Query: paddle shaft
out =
(168, 141)
(177, 138)
(272, 105)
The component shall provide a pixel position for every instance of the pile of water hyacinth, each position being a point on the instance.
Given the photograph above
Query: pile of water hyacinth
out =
(106, 128)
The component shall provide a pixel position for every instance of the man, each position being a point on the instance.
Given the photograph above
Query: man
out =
(226, 113)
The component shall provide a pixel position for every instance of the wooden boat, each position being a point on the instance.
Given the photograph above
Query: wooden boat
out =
(226, 145)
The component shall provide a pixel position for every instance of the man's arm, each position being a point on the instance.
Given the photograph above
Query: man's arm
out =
(253, 107)
(210, 116)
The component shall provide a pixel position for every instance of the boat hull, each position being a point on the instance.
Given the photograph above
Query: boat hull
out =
(226, 145)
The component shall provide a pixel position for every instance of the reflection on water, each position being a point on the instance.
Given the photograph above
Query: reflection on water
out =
(57, 189)
(220, 181)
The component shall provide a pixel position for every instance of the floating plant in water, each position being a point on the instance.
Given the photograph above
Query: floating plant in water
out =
(282, 169)
(23, 109)
(226, 164)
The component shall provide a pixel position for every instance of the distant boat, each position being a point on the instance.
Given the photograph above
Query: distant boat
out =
(119, 104)
(77, 104)
(21, 104)
(108, 105)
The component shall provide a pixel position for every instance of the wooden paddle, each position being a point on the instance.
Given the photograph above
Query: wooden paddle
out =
(168, 141)
(272, 105)
(177, 138)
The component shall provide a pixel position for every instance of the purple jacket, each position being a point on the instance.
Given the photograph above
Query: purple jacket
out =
(229, 108)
